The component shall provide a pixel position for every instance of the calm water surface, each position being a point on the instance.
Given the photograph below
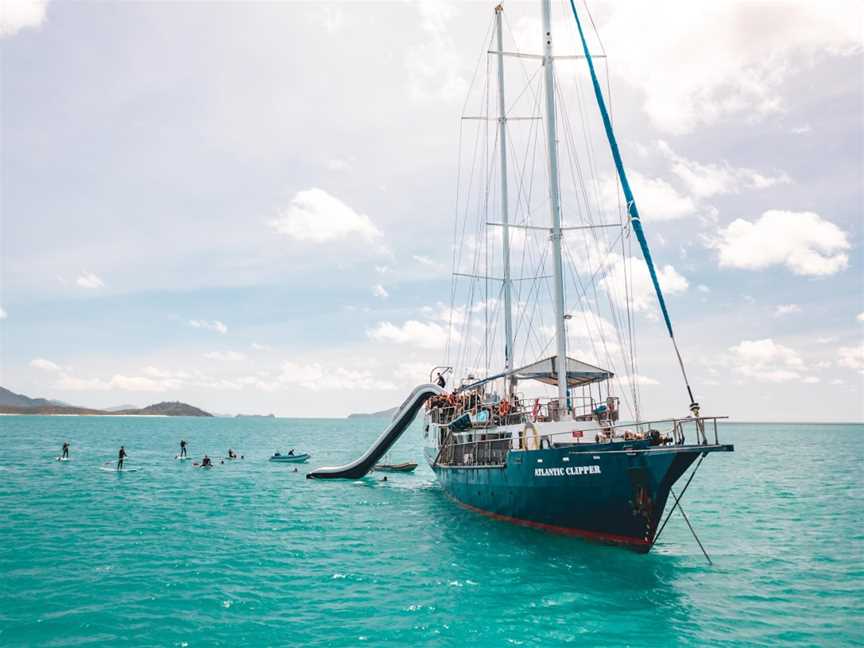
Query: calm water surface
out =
(253, 553)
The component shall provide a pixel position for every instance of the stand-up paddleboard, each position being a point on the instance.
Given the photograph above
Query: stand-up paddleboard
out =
(64, 458)
(111, 466)
(186, 458)
(198, 465)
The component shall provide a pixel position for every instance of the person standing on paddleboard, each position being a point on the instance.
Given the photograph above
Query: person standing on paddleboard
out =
(182, 448)
(65, 454)
(120, 457)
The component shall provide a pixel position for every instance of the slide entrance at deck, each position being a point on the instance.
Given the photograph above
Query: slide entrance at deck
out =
(404, 416)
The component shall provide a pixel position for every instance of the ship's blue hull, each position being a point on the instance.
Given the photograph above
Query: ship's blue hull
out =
(601, 492)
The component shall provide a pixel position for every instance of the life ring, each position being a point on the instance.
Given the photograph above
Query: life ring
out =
(535, 437)
(504, 407)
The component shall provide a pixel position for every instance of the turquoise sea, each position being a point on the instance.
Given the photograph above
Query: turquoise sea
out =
(251, 553)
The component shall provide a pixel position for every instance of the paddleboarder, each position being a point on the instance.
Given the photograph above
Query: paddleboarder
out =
(121, 456)
(65, 454)
(182, 448)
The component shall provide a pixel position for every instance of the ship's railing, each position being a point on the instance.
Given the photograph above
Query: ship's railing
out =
(464, 449)
(531, 409)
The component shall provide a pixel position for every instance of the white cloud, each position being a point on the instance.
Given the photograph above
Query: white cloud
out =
(330, 18)
(657, 199)
(225, 355)
(851, 357)
(45, 365)
(260, 347)
(2, 313)
(89, 280)
(316, 377)
(766, 361)
(638, 379)
(338, 164)
(215, 325)
(16, 15)
(379, 291)
(316, 216)
(703, 288)
(706, 180)
(587, 325)
(786, 309)
(434, 65)
(860, 317)
(642, 294)
(669, 53)
(804, 242)
(425, 335)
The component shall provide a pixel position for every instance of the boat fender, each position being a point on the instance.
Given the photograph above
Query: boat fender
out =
(535, 436)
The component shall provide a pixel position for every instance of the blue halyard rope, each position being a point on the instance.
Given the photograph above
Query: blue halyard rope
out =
(632, 210)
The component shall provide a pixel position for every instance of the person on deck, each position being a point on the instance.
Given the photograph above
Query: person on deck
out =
(182, 448)
(121, 457)
(441, 381)
(65, 450)
(291, 452)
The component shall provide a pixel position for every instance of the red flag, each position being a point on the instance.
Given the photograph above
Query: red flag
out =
(577, 434)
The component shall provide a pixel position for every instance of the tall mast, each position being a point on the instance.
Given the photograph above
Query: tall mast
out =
(505, 210)
(555, 205)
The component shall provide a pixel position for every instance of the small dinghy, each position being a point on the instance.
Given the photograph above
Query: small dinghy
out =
(301, 457)
(404, 467)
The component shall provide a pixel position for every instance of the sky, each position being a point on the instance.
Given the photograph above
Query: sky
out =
(250, 206)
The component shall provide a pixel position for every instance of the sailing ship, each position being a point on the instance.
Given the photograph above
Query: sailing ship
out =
(581, 460)
(566, 463)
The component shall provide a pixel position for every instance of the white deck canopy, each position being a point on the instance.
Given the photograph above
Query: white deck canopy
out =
(578, 373)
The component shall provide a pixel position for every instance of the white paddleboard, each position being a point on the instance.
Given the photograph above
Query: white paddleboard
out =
(186, 458)
(64, 458)
(111, 466)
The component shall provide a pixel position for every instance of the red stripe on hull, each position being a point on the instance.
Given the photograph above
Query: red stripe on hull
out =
(639, 544)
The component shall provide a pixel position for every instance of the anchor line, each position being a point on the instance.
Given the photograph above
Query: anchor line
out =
(686, 486)
(692, 530)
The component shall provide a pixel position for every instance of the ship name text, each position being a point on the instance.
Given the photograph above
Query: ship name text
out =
(566, 471)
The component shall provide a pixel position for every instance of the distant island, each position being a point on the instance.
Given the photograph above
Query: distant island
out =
(388, 413)
(255, 416)
(12, 403)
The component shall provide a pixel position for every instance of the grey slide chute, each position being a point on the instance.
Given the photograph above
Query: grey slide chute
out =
(404, 416)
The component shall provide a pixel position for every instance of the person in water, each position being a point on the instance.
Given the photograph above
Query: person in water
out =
(65, 450)
(182, 448)
(231, 454)
(205, 462)
(121, 456)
